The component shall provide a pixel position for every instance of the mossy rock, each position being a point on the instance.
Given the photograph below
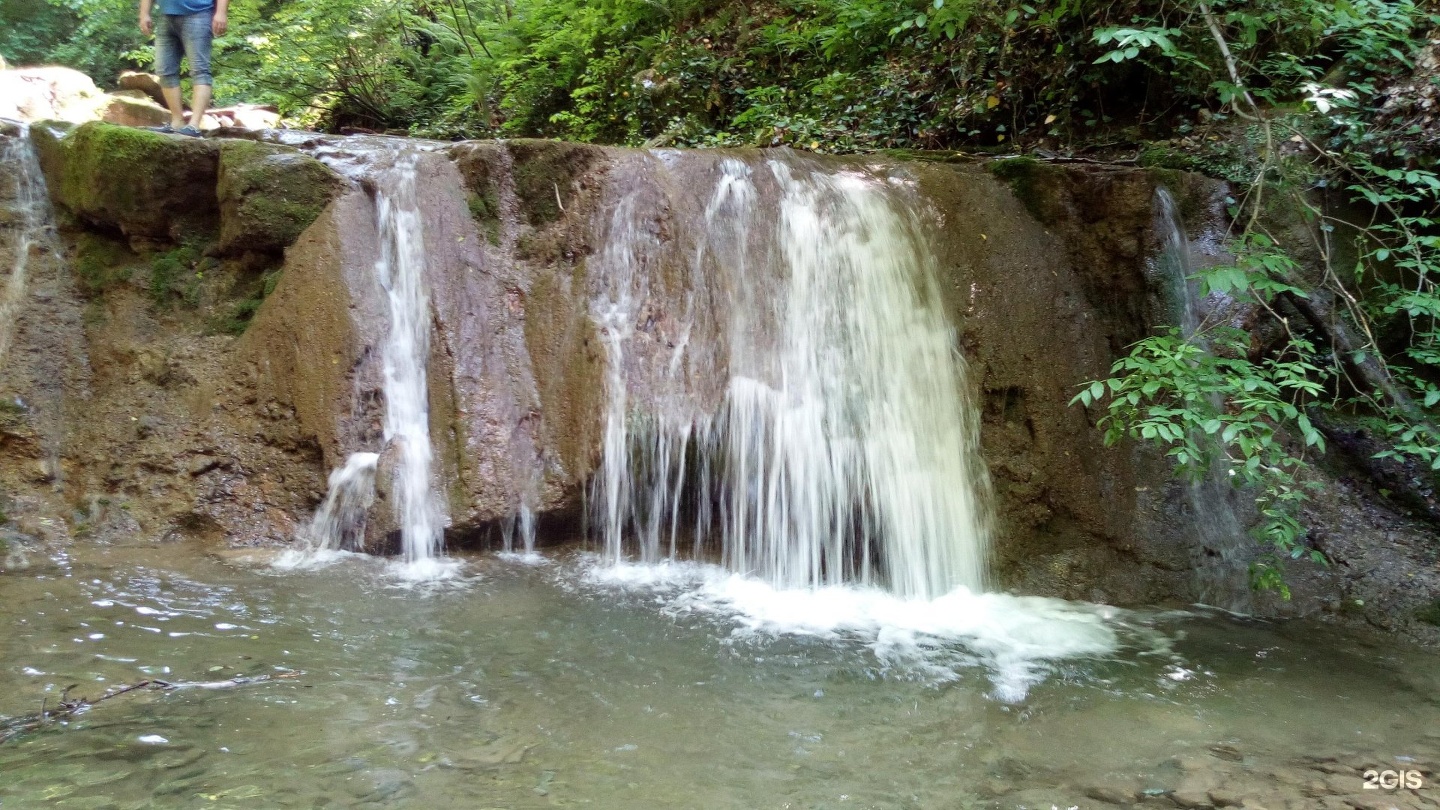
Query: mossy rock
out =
(1165, 156)
(545, 174)
(1430, 614)
(930, 155)
(476, 162)
(101, 262)
(268, 195)
(138, 182)
(1033, 183)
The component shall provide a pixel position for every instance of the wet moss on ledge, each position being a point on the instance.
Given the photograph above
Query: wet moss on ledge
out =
(138, 182)
(1430, 614)
(101, 262)
(1027, 178)
(268, 195)
(485, 210)
(545, 173)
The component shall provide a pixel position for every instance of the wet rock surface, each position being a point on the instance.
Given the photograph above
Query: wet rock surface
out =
(133, 422)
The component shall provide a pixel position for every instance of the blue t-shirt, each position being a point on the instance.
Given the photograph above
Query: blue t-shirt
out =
(185, 6)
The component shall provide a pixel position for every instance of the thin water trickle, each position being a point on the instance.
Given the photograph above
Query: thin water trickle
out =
(31, 209)
(844, 448)
(1221, 571)
(407, 456)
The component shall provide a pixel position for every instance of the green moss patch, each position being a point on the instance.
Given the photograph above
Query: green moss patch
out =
(1430, 614)
(243, 312)
(485, 210)
(177, 275)
(101, 263)
(139, 182)
(545, 173)
(268, 195)
(1028, 179)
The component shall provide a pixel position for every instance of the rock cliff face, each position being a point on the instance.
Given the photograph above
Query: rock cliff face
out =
(128, 421)
(167, 424)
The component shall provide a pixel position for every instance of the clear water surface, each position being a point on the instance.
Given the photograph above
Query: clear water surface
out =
(533, 685)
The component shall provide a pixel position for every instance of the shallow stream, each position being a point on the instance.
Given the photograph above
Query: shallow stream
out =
(537, 684)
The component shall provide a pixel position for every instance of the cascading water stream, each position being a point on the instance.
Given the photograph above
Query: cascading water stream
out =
(400, 269)
(39, 318)
(1221, 574)
(845, 448)
(31, 211)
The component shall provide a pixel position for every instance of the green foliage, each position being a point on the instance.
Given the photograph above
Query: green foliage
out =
(1214, 396)
(42, 25)
(832, 75)
(1216, 412)
(99, 37)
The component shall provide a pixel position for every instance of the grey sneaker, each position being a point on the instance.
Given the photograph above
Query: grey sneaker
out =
(189, 130)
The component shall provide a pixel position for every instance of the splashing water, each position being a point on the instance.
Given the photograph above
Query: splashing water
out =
(339, 523)
(519, 537)
(844, 448)
(1018, 640)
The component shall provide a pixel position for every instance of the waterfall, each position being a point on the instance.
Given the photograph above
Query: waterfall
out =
(30, 210)
(519, 533)
(844, 446)
(339, 524)
(401, 269)
(41, 354)
(407, 457)
(1222, 562)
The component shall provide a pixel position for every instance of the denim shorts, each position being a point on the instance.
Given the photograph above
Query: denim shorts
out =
(187, 34)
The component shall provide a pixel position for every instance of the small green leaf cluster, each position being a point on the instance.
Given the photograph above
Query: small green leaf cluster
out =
(1215, 412)
(1353, 298)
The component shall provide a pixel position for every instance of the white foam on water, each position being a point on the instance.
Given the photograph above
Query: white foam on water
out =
(306, 559)
(426, 569)
(1018, 639)
(523, 558)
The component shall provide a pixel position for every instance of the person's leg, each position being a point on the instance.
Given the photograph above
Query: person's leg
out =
(196, 36)
(168, 48)
(199, 103)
